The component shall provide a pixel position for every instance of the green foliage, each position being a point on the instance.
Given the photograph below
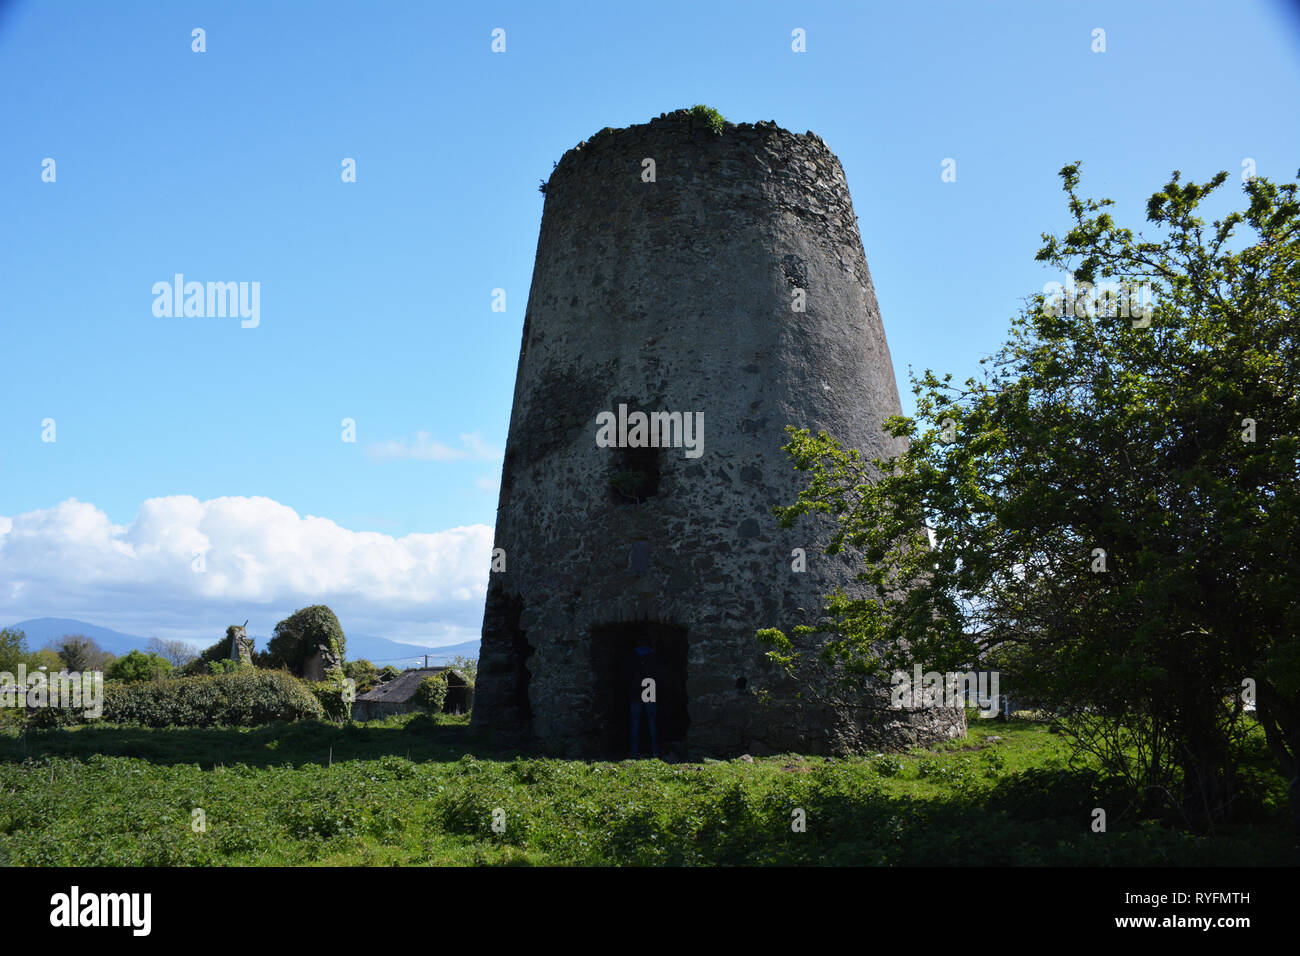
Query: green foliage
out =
(388, 672)
(467, 667)
(13, 649)
(46, 658)
(215, 659)
(335, 697)
(1101, 430)
(243, 698)
(709, 116)
(298, 636)
(311, 793)
(362, 673)
(137, 666)
(887, 766)
(432, 693)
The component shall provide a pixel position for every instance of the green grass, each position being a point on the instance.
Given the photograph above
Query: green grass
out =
(415, 790)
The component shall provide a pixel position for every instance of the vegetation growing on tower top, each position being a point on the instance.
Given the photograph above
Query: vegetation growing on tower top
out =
(717, 122)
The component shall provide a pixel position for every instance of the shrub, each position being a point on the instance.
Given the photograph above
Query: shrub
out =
(137, 666)
(432, 693)
(335, 698)
(887, 766)
(238, 699)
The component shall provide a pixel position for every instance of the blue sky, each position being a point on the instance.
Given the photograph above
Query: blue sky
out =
(376, 295)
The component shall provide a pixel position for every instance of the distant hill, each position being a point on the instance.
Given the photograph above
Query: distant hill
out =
(381, 651)
(377, 650)
(41, 630)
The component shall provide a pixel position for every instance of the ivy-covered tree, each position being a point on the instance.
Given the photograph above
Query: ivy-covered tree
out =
(302, 634)
(1114, 503)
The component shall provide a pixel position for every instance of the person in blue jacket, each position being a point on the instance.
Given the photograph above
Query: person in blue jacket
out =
(642, 665)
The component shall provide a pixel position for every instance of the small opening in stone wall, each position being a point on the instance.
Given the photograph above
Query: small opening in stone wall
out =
(741, 683)
(635, 474)
(614, 661)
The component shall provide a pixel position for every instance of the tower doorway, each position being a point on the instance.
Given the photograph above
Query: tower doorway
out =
(612, 646)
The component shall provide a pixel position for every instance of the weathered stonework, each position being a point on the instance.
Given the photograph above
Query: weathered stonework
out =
(676, 295)
(320, 663)
(241, 645)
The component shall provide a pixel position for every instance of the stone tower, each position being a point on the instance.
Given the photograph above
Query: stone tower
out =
(668, 268)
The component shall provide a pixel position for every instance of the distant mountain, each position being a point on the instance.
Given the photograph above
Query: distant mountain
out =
(41, 630)
(377, 650)
(381, 651)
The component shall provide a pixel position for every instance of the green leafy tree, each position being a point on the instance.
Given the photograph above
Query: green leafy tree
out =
(363, 674)
(467, 666)
(13, 649)
(299, 635)
(1114, 503)
(46, 658)
(138, 666)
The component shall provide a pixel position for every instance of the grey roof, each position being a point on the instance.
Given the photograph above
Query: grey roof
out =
(402, 688)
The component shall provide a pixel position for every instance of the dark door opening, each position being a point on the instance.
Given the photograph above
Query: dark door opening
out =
(611, 647)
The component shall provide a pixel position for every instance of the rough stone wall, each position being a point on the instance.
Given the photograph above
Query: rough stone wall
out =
(675, 295)
(241, 645)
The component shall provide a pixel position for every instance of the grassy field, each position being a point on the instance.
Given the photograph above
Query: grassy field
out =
(415, 790)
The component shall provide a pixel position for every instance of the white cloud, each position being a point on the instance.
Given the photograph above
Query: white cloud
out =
(262, 560)
(426, 448)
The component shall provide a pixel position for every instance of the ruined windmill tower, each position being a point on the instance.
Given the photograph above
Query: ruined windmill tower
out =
(670, 261)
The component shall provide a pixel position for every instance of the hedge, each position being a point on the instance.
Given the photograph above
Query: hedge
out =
(238, 699)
